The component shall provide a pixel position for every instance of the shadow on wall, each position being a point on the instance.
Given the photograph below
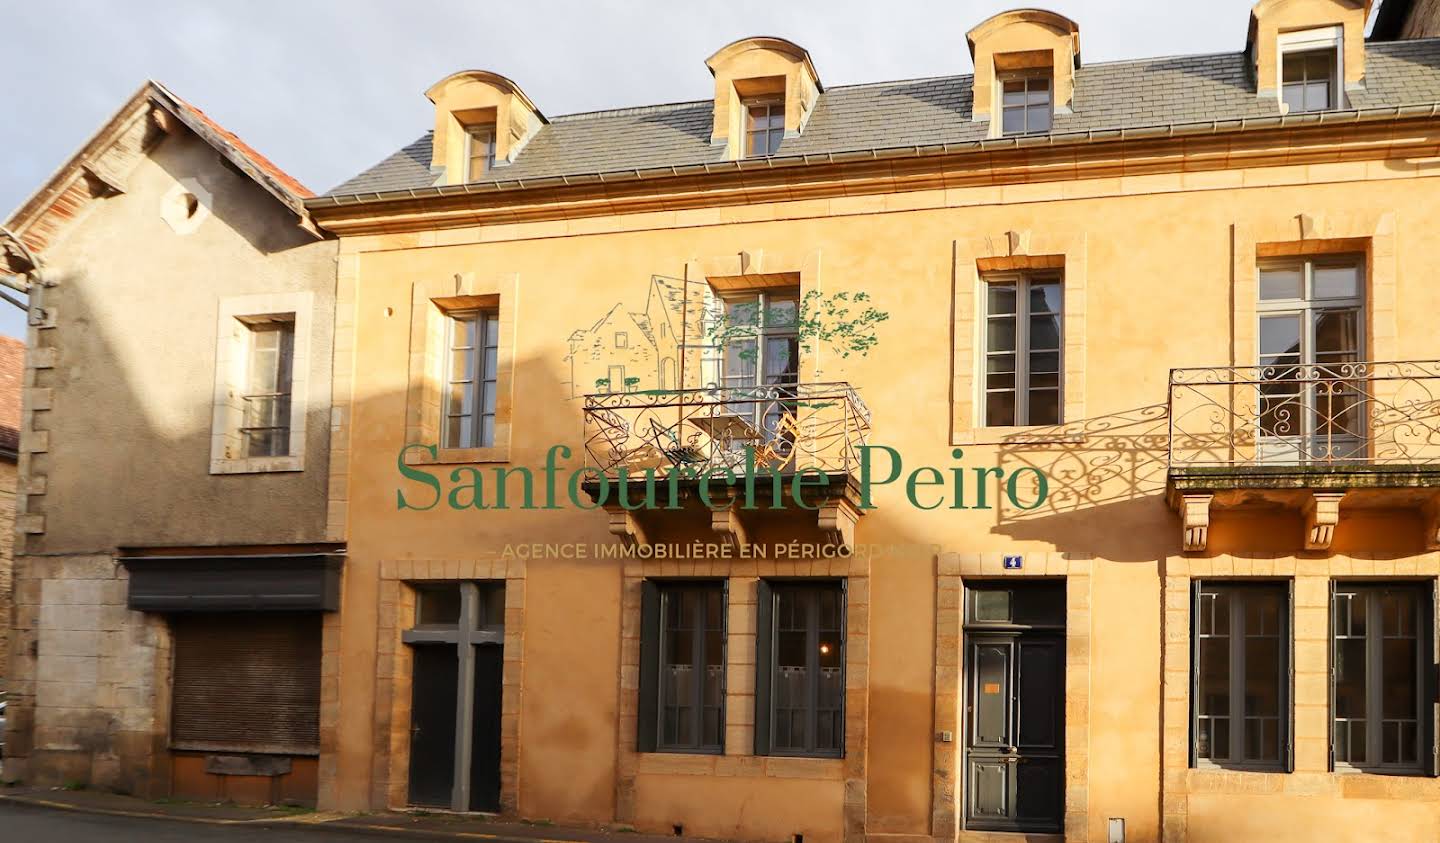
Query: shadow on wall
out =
(1106, 484)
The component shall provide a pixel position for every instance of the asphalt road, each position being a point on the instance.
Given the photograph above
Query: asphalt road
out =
(24, 824)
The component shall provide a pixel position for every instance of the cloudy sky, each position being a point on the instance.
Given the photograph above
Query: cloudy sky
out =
(327, 87)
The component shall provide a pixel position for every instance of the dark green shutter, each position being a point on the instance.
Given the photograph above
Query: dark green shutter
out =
(1427, 711)
(1334, 652)
(1287, 635)
(1195, 586)
(647, 721)
(764, 663)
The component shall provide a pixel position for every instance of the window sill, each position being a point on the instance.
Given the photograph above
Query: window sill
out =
(257, 465)
(1030, 435)
(456, 456)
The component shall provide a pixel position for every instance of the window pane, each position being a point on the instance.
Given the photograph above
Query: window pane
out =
(1044, 406)
(1044, 297)
(1001, 334)
(1038, 117)
(1294, 68)
(1293, 95)
(1001, 299)
(1014, 92)
(1013, 120)
(438, 604)
(1281, 284)
(1000, 409)
(1317, 96)
(1280, 335)
(1337, 282)
(1044, 332)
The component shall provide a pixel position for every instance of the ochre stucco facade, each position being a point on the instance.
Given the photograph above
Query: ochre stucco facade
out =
(1156, 254)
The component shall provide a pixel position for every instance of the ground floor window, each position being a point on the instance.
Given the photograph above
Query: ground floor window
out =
(1241, 665)
(1382, 677)
(682, 666)
(800, 668)
(247, 682)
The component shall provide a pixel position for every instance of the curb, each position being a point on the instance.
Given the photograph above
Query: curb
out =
(309, 822)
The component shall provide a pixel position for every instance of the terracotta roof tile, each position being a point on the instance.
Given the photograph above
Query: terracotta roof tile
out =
(245, 149)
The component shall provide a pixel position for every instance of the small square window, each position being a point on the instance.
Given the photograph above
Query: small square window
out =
(1309, 80)
(1026, 105)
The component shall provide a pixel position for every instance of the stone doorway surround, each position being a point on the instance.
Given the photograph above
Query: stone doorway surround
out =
(952, 569)
(394, 664)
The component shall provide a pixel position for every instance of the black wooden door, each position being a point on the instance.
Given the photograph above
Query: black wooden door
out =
(432, 724)
(1014, 740)
(485, 739)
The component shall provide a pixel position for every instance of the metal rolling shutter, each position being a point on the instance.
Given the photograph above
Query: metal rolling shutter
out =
(246, 682)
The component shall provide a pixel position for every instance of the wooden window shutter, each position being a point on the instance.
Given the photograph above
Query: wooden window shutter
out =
(1195, 586)
(647, 728)
(764, 663)
(247, 681)
(1288, 631)
(1430, 680)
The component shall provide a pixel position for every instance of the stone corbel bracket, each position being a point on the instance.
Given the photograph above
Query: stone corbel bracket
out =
(1322, 513)
(626, 525)
(1195, 521)
(837, 519)
(726, 521)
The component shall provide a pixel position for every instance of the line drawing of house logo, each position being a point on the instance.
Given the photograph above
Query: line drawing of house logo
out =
(632, 350)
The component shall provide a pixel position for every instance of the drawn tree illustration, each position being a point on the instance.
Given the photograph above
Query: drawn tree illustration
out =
(843, 322)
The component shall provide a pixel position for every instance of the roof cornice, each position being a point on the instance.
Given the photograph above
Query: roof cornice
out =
(1369, 134)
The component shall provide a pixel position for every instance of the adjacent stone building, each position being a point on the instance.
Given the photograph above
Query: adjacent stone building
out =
(174, 568)
(12, 368)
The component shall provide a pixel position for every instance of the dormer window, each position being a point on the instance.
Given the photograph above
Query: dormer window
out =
(1026, 104)
(1308, 80)
(764, 126)
(1311, 67)
(479, 150)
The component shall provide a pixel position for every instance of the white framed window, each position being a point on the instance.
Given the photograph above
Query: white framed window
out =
(269, 378)
(479, 150)
(262, 364)
(1312, 70)
(764, 126)
(1312, 330)
(1027, 103)
(1021, 349)
(473, 344)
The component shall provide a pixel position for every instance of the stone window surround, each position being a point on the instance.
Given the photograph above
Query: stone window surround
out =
(976, 257)
(952, 569)
(390, 772)
(423, 405)
(231, 357)
(738, 758)
(1372, 235)
(1310, 703)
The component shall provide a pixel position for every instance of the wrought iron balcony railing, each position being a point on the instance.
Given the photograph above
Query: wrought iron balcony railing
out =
(788, 428)
(1342, 414)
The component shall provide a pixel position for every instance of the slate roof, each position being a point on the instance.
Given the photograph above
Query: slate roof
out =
(919, 112)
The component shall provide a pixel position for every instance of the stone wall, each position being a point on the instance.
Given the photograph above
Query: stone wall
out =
(7, 544)
(91, 713)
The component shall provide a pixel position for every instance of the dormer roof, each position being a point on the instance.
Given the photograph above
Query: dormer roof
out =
(895, 117)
